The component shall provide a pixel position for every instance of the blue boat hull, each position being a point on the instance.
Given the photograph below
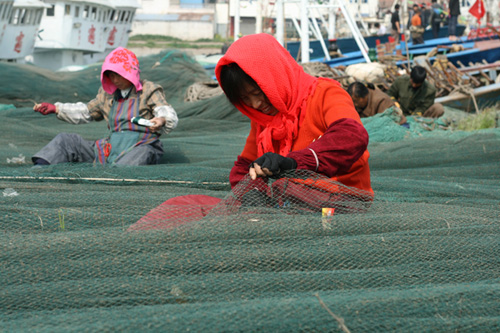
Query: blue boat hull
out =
(348, 45)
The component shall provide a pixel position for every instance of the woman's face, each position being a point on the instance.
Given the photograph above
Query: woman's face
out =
(119, 81)
(252, 96)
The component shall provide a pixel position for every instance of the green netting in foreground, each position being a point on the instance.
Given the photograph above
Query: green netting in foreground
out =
(423, 257)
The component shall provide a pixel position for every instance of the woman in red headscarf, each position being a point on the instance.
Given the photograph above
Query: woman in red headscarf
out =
(297, 121)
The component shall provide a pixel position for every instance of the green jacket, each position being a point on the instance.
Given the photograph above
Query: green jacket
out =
(412, 102)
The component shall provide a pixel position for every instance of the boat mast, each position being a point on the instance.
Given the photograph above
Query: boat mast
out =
(305, 10)
(280, 19)
(236, 20)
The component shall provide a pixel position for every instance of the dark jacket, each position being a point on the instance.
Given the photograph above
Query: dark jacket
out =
(454, 7)
(394, 19)
(437, 15)
(412, 101)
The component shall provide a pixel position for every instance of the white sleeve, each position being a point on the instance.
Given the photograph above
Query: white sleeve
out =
(73, 113)
(170, 116)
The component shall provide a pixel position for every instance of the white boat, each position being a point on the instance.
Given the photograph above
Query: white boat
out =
(19, 24)
(78, 32)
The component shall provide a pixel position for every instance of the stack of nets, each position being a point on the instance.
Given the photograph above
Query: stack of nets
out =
(171, 247)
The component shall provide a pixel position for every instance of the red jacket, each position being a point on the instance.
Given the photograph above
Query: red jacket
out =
(332, 130)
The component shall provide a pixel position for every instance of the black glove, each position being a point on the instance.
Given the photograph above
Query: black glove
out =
(275, 163)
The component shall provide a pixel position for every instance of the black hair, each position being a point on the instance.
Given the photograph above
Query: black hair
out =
(232, 82)
(418, 74)
(359, 89)
(396, 7)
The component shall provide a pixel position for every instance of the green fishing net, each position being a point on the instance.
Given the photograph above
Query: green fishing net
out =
(92, 248)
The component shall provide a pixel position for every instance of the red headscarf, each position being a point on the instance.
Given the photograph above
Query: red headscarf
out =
(282, 80)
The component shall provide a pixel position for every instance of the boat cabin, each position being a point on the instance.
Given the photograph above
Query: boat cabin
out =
(20, 21)
(79, 32)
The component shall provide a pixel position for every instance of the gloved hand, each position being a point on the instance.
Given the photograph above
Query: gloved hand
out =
(271, 164)
(45, 108)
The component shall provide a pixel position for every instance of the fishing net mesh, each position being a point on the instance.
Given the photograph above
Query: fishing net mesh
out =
(92, 248)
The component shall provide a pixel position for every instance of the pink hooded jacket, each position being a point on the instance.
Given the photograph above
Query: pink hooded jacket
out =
(124, 63)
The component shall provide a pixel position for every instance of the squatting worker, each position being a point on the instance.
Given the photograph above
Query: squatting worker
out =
(123, 95)
(298, 121)
(415, 94)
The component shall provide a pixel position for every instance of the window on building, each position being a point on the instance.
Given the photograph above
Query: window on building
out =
(67, 10)
(25, 17)
(39, 14)
(15, 17)
(85, 12)
(51, 10)
(93, 16)
(77, 11)
(111, 14)
(7, 10)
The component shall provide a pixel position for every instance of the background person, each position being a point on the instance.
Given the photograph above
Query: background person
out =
(437, 16)
(395, 24)
(415, 94)
(454, 7)
(416, 29)
(370, 101)
(425, 15)
(122, 96)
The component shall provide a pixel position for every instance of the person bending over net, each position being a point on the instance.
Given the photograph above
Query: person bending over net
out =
(123, 96)
(369, 101)
(298, 121)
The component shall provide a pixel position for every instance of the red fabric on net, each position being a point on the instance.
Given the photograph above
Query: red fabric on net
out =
(176, 212)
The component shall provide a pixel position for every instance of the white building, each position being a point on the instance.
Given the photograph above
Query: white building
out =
(183, 19)
(196, 19)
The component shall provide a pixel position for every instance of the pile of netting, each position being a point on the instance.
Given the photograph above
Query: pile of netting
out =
(171, 247)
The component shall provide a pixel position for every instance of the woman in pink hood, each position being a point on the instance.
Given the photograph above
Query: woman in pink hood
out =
(122, 97)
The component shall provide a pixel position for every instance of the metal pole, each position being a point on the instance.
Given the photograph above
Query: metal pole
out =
(304, 23)
(237, 20)
(363, 47)
(407, 36)
(317, 31)
(280, 19)
(258, 17)
(331, 20)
